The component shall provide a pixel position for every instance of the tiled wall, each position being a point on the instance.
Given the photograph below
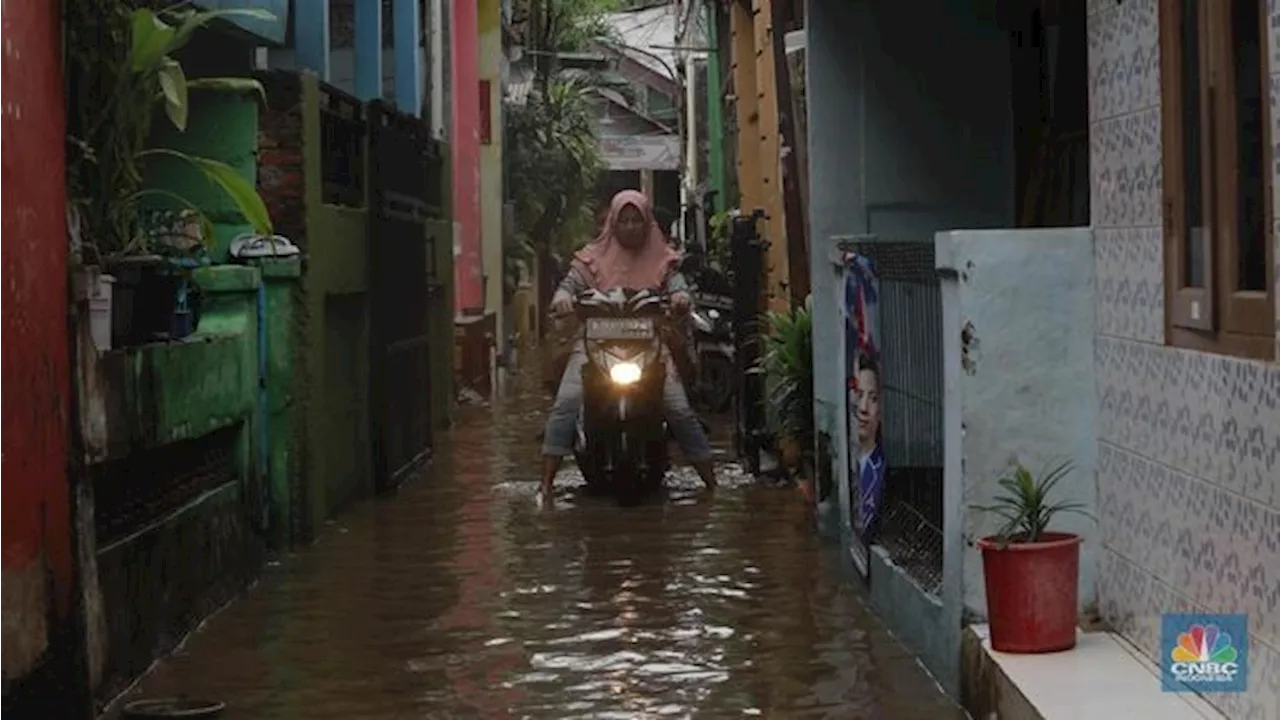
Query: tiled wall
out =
(1189, 443)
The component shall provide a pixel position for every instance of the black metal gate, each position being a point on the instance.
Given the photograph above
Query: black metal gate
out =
(747, 276)
(401, 287)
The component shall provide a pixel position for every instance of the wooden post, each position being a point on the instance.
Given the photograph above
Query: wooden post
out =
(769, 156)
(797, 243)
(746, 102)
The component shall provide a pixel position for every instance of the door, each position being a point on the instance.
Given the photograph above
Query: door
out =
(402, 289)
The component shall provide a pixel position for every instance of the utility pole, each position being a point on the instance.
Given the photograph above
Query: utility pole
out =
(715, 123)
(759, 166)
(689, 126)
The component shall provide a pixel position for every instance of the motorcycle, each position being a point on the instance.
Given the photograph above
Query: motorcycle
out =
(712, 319)
(621, 444)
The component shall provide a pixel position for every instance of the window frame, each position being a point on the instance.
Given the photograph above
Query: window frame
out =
(1231, 322)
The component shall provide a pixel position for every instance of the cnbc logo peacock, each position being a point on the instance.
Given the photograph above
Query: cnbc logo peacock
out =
(1204, 654)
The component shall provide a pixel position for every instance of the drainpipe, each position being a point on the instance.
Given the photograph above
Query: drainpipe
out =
(439, 113)
(264, 453)
(691, 144)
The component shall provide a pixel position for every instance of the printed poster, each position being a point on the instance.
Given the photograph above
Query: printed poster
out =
(866, 465)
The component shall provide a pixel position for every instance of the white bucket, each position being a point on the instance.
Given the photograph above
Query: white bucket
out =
(100, 295)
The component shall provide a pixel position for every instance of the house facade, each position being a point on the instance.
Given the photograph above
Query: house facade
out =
(1166, 392)
(1188, 380)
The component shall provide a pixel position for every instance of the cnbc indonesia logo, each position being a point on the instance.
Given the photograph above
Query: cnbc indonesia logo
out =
(1204, 654)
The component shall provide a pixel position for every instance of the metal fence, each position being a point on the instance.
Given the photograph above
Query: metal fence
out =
(403, 289)
(910, 320)
(746, 274)
(343, 128)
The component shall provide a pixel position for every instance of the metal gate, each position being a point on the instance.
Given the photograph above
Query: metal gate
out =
(402, 285)
(910, 307)
(747, 276)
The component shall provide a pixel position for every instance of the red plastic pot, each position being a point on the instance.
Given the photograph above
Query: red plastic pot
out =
(1032, 592)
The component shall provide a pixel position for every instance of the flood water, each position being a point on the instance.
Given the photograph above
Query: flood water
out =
(459, 597)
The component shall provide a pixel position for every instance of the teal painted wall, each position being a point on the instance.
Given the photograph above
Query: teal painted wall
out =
(223, 127)
(280, 278)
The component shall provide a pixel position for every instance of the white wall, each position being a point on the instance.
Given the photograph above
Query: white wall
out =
(909, 134)
(1024, 308)
(1189, 442)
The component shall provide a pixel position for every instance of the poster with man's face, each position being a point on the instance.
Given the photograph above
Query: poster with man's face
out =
(863, 407)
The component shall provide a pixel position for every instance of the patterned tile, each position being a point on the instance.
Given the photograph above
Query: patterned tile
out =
(1213, 417)
(1126, 169)
(1273, 39)
(1189, 458)
(1124, 59)
(1218, 549)
(1133, 600)
(1130, 281)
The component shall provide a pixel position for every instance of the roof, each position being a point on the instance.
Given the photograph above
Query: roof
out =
(616, 98)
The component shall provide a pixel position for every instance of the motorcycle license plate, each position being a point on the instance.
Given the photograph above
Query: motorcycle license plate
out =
(712, 300)
(620, 328)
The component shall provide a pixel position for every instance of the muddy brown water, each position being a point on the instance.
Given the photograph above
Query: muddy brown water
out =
(459, 597)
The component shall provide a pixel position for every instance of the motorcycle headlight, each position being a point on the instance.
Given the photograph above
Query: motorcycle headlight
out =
(625, 373)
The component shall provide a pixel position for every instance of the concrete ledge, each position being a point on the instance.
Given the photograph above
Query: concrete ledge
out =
(1103, 677)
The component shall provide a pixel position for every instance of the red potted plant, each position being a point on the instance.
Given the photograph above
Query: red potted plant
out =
(1031, 572)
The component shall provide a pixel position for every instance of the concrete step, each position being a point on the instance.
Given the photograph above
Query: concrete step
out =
(1103, 677)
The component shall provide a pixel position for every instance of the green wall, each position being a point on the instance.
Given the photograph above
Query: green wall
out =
(224, 126)
(338, 464)
(183, 390)
(221, 126)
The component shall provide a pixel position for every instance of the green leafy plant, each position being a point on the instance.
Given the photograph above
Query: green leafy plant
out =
(553, 165)
(1024, 505)
(788, 363)
(121, 70)
(718, 246)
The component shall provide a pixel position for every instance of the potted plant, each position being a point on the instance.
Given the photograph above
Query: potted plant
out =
(1031, 573)
(788, 364)
(121, 73)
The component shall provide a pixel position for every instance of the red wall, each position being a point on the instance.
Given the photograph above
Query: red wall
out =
(465, 142)
(35, 373)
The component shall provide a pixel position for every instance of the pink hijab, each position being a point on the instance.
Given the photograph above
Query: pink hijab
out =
(605, 264)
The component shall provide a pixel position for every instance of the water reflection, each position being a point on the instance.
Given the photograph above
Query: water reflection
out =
(460, 597)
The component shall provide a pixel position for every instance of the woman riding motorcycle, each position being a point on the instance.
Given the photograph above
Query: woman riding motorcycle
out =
(630, 253)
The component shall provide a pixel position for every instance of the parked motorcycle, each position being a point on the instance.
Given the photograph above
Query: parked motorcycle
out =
(713, 346)
(621, 444)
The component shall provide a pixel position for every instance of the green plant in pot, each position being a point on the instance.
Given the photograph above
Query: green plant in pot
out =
(122, 74)
(788, 365)
(1031, 573)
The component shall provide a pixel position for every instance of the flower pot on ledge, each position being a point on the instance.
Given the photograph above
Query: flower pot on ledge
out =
(1032, 592)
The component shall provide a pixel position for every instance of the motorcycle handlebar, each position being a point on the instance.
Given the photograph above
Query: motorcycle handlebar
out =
(665, 305)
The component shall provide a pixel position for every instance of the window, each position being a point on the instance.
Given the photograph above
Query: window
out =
(1219, 292)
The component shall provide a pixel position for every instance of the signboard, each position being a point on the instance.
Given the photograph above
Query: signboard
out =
(272, 31)
(860, 292)
(640, 152)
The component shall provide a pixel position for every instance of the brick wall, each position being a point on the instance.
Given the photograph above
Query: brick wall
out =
(280, 155)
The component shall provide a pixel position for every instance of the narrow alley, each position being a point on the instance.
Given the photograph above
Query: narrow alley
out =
(461, 597)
